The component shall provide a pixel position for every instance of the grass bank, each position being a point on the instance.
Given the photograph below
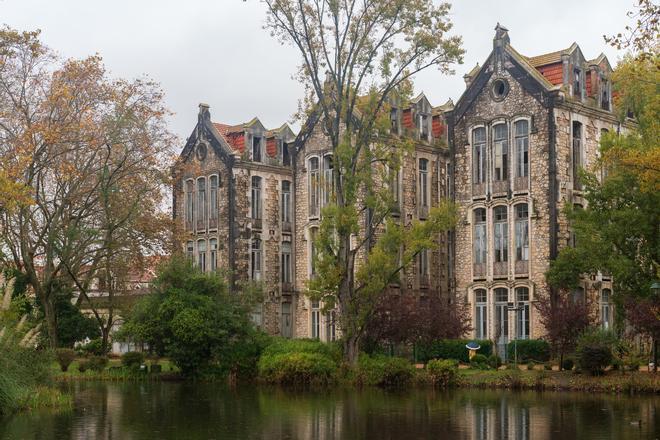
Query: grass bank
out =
(115, 371)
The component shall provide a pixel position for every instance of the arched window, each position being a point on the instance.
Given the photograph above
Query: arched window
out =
(255, 260)
(481, 314)
(500, 153)
(423, 183)
(213, 254)
(480, 236)
(522, 232)
(328, 181)
(605, 309)
(256, 197)
(522, 148)
(213, 201)
(313, 186)
(577, 154)
(190, 204)
(501, 234)
(201, 255)
(479, 155)
(201, 203)
(522, 322)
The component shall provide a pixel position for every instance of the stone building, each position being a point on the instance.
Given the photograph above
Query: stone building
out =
(520, 132)
(248, 201)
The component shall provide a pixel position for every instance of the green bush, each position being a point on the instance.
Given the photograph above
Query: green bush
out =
(83, 365)
(64, 357)
(301, 368)
(95, 347)
(284, 345)
(594, 351)
(567, 364)
(384, 371)
(98, 363)
(530, 366)
(132, 359)
(494, 361)
(443, 372)
(479, 362)
(536, 350)
(451, 349)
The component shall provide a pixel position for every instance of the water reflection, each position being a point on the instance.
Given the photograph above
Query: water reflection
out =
(210, 411)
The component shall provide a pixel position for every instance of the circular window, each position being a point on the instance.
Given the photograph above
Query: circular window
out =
(201, 152)
(500, 89)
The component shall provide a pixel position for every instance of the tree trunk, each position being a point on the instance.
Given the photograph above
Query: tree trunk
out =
(351, 349)
(51, 323)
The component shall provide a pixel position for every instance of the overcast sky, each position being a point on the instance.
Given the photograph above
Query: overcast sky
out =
(217, 52)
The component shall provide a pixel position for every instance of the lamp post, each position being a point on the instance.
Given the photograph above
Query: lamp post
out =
(511, 307)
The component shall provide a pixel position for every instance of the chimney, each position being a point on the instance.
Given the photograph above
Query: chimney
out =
(204, 114)
(501, 36)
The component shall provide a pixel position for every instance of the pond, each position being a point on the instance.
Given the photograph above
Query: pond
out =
(168, 410)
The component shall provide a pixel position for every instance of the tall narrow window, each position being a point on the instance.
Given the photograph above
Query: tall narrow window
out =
(481, 314)
(522, 148)
(394, 186)
(201, 203)
(424, 268)
(286, 263)
(213, 201)
(479, 155)
(480, 236)
(423, 183)
(500, 153)
(605, 309)
(190, 204)
(256, 197)
(256, 148)
(286, 201)
(501, 319)
(314, 187)
(423, 127)
(286, 155)
(522, 298)
(213, 254)
(605, 94)
(522, 232)
(316, 320)
(328, 180)
(577, 154)
(201, 255)
(501, 234)
(394, 121)
(190, 251)
(313, 232)
(255, 260)
(330, 326)
(577, 84)
(578, 295)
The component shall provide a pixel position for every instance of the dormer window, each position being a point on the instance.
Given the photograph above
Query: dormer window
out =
(577, 85)
(605, 94)
(394, 121)
(423, 126)
(286, 157)
(256, 148)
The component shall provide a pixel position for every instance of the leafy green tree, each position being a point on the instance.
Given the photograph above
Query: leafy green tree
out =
(357, 57)
(191, 318)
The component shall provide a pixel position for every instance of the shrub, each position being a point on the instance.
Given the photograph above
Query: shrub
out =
(530, 366)
(95, 347)
(384, 371)
(83, 365)
(529, 350)
(64, 357)
(452, 349)
(567, 364)
(283, 346)
(132, 359)
(98, 363)
(479, 362)
(594, 351)
(494, 361)
(443, 372)
(301, 368)
(156, 368)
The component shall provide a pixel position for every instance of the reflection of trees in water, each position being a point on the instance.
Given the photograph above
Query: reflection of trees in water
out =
(178, 410)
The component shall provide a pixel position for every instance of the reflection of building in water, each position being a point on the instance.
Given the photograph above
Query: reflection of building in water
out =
(506, 421)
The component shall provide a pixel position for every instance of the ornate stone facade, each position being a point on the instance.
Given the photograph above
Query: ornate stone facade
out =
(519, 133)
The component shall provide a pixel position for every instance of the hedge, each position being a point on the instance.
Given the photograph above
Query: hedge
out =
(300, 368)
(529, 350)
(287, 346)
(384, 371)
(452, 349)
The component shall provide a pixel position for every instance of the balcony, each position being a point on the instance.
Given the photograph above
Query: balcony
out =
(500, 268)
(521, 184)
(479, 270)
(522, 267)
(500, 186)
